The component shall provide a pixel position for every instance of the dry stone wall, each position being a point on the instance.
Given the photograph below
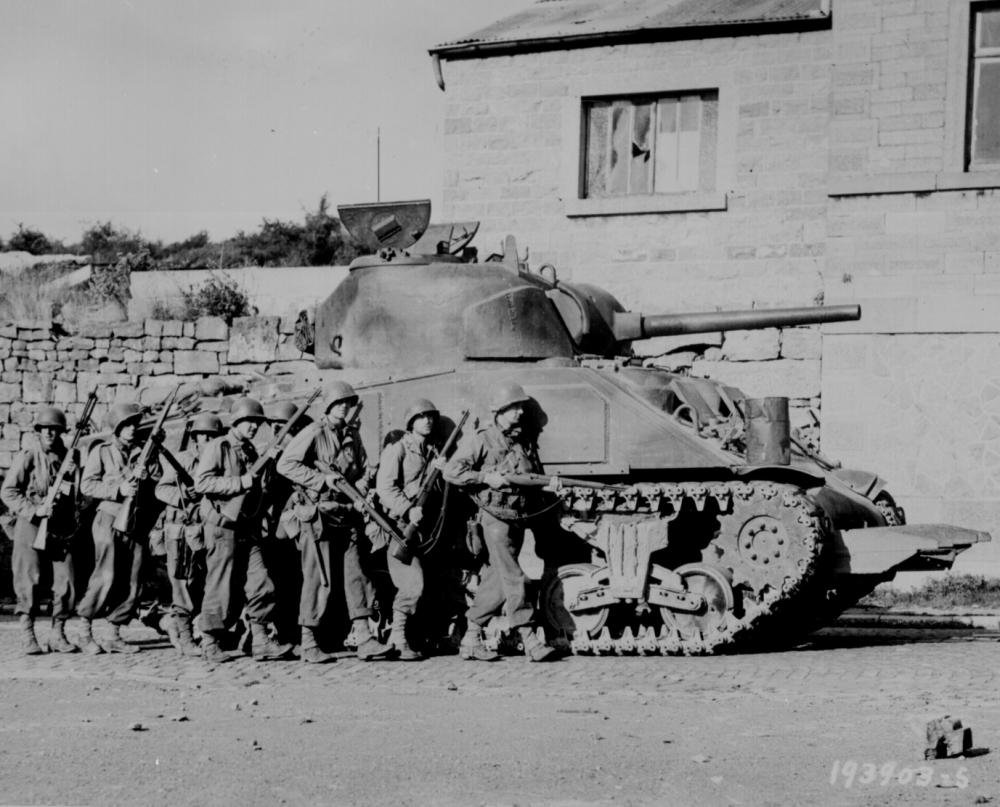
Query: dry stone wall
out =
(44, 365)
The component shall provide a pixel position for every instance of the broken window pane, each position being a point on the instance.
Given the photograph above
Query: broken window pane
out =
(643, 145)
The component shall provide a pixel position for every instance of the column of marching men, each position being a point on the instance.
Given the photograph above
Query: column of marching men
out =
(244, 536)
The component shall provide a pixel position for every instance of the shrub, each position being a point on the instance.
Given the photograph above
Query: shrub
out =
(30, 240)
(107, 242)
(219, 296)
(115, 282)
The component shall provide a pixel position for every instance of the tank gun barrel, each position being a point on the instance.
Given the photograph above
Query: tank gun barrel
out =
(637, 326)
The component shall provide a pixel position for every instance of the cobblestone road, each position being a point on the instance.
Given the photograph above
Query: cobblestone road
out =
(831, 661)
(758, 729)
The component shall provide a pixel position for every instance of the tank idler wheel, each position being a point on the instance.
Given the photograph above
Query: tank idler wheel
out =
(578, 626)
(698, 632)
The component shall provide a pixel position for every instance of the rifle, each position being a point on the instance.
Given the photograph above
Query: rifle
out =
(234, 507)
(428, 484)
(125, 520)
(541, 480)
(352, 493)
(50, 499)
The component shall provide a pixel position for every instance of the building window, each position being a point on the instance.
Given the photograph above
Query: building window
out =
(984, 88)
(646, 145)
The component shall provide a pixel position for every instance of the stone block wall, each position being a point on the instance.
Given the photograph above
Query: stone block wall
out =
(43, 365)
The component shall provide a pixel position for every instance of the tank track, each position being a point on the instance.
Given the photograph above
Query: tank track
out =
(770, 543)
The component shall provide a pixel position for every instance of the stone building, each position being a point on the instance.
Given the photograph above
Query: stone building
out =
(702, 154)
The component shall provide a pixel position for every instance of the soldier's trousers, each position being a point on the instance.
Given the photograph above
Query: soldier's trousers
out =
(236, 574)
(185, 594)
(359, 592)
(27, 565)
(113, 588)
(502, 579)
(408, 580)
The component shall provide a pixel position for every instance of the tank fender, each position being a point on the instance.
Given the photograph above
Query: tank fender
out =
(864, 482)
(803, 477)
(877, 550)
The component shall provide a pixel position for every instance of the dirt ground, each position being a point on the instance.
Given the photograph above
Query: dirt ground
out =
(765, 729)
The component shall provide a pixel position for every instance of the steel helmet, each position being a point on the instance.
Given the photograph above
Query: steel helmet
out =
(283, 412)
(121, 413)
(51, 416)
(247, 409)
(507, 394)
(421, 406)
(338, 391)
(206, 422)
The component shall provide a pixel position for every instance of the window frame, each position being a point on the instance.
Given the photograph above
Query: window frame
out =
(974, 59)
(574, 166)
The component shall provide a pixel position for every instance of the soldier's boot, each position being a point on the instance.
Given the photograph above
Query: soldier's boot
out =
(534, 648)
(58, 643)
(398, 638)
(310, 651)
(116, 644)
(472, 647)
(168, 625)
(86, 641)
(185, 637)
(264, 647)
(29, 643)
(211, 651)
(369, 648)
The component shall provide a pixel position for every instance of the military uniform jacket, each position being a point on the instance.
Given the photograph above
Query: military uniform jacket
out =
(400, 473)
(490, 450)
(27, 484)
(217, 476)
(105, 470)
(320, 444)
(302, 460)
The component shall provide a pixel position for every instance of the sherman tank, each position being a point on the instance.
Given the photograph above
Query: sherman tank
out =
(713, 527)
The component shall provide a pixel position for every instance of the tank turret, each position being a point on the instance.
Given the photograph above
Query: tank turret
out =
(439, 308)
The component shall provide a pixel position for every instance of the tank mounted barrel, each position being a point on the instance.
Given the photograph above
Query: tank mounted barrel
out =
(629, 326)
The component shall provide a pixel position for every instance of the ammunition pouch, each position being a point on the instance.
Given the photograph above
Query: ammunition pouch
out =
(289, 524)
(157, 541)
(474, 538)
(194, 536)
(503, 504)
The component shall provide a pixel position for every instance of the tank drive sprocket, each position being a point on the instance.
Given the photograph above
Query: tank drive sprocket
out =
(771, 539)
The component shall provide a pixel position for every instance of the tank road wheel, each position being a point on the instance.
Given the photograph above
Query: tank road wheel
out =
(771, 540)
(564, 587)
(701, 631)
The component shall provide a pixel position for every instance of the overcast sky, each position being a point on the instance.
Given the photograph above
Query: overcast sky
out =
(174, 117)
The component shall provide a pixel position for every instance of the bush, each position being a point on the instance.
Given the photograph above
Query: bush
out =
(219, 296)
(115, 282)
(107, 242)
(27, 239)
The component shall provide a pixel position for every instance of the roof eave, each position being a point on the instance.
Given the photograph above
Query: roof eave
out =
(476, 50)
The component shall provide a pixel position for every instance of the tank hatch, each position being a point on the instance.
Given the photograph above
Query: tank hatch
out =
(386, 225)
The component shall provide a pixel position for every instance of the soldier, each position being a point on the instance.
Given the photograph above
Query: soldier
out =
(401, 470)
(314, 460)
(235, 563)
(24, 491)
(281, 546)
(185, 535)
(480, 464)
(109, 476)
